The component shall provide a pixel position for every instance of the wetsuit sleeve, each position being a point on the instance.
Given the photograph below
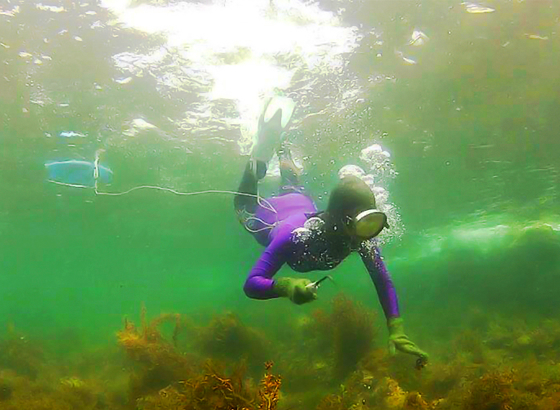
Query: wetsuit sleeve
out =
(259, 283)
(381, 279)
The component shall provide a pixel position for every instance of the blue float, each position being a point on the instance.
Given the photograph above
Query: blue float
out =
(78, 172)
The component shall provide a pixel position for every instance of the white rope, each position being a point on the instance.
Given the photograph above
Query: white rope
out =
(265, 204)
(264, 228)
(96, 167)
(260, 200)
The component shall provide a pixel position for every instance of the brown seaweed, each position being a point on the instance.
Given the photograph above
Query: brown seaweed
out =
(505, 364)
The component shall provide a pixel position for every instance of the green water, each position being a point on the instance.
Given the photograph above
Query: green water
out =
(470, 118)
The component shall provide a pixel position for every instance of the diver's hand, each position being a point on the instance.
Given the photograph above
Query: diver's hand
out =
(399, 341)
(299, 291)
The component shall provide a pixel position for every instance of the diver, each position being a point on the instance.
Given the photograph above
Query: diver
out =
(295, 232)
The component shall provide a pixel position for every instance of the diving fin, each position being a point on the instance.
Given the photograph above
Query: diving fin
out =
(273, 123)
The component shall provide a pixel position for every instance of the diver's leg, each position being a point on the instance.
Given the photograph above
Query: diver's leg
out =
(245, 201)
(273, 123)
(289, 172)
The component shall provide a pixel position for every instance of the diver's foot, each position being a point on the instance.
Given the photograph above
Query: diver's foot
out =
(258, 168)
(286, 161)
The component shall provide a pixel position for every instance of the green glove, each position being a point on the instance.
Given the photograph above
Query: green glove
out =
(297, 290)
(399, 341)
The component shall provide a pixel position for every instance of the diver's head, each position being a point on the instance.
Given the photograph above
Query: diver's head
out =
(352, 210)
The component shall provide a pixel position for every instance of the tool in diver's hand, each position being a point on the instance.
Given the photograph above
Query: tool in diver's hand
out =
(318, 282)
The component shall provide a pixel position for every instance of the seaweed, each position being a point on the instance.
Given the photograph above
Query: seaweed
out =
(168, 398)
(212, 390)
(506, 364)
(270, 389)
(147, 344)
(164, 378)
(348, 332)
(493, 391)
(21, 354)
(335, 402)
(50, 393)
(324, 348)
(157, 361)
(353, 334)
(506, 388)
(387, 395)
(226, 338)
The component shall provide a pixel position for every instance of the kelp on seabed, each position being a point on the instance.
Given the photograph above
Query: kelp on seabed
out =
(161, 363)
(147, 345)
(156, 361)
(227, 339)
(212, 390)
(497, 364)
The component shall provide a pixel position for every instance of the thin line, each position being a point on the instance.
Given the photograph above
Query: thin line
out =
(265, 204)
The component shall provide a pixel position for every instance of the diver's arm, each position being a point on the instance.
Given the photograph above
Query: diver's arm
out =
(381, 279)
(398, 340)
(259, 283)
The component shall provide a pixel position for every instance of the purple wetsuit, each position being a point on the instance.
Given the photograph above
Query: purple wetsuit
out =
(291, 211)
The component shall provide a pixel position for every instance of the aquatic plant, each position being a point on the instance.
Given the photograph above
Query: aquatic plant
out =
(270, 389)
(498, 366)
(227, 338)
(352, 330)
(21, 354)
(519, 337)
(394, 395)
(158, 362)
(469, 341)
(387, 394)
(441, 377)
(48, 393)
(323, 349)
(147, 344)
(167, 398)
(492, 391)
(333, 401)
(415, 401)
(521, 388)
(212, 390)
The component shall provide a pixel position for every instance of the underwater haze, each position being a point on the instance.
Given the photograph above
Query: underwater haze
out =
(136, 301)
